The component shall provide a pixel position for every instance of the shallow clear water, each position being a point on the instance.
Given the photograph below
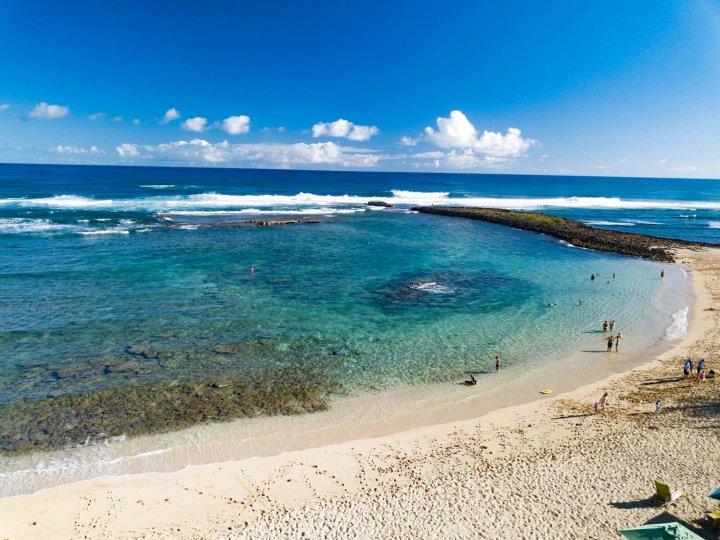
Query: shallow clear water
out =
(106, 304)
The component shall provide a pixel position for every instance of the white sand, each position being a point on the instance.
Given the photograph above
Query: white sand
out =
(549, 469)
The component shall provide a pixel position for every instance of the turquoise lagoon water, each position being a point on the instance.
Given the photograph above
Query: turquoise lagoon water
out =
(125, 291)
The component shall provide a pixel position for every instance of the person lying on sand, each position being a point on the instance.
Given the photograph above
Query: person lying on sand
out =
(471, 381)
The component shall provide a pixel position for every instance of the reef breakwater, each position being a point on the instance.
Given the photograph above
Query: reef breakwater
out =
(576, 233)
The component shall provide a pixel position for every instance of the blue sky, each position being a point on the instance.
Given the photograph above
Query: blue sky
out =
(565, 87)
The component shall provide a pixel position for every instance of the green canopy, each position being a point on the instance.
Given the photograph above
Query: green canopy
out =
(663, 531)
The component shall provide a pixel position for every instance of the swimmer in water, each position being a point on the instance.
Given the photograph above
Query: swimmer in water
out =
(252, 269)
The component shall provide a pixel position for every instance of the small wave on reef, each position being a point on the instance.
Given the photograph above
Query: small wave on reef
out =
(432, 287)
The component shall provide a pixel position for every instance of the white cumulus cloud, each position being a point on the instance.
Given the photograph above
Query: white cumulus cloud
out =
(4, 107)
(72, 149)
(458, 132)
(170, 115)
(97, 116)
(127, 150)
(44, 111)
(258, 154)
(344, 128)
(236, 125)
(197, 124)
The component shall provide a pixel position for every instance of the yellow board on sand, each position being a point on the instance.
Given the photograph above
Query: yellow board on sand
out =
(546, 391)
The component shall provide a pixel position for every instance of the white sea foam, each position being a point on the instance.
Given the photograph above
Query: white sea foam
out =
(606, 223)
(568, 244)
(257, 211)
(414, 196)
(207, 201)
(158, 186)
(714, 224)
(641, 222)
(432, 287)
(111, 230)
(27, 226)
(679, 325)
(46, 226)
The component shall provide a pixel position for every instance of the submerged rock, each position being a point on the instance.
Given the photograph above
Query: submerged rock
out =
(236, 348)
(69, 419)
(149, 354)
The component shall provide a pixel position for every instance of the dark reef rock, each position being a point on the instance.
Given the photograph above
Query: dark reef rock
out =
(146, 353)
(273, 222)
(573, 232)
(379, 203)
(69, 419)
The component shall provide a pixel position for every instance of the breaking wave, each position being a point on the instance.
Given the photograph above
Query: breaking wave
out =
(208, 201)
(608, 223)
(679, 325)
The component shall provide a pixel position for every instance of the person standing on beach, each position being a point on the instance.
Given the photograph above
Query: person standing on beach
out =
(497, 364)
(687, 367)
(617, 341)
(610, 343)
(700, 365)
(602, 403)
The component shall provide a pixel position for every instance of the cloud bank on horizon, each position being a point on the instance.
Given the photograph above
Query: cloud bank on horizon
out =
(459, 144)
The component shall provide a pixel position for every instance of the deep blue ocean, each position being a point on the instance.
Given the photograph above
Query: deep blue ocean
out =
(120, 284)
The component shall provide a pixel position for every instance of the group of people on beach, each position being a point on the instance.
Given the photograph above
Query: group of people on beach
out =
(611, 339)
(701, 375)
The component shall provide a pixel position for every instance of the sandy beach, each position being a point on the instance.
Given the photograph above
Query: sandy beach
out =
(545, 469)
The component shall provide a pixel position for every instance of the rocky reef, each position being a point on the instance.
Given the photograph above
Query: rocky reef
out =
(279, 222)
(139, 409)
(379, 203)
(573, 232)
